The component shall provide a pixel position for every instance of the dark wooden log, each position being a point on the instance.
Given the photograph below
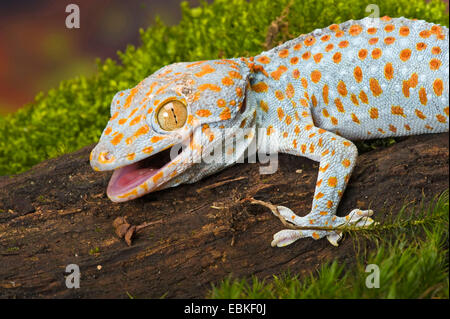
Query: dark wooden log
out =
(58, 214)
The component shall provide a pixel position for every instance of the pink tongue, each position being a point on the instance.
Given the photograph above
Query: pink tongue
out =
(126, 178)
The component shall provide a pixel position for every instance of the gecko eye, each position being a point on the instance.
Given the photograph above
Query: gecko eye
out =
(172, 115)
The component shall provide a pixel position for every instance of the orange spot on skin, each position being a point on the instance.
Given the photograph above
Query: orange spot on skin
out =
(129, 194)
(290, 91)
(157, 177)
(354, 99)
(296, 74)
(203, 113)
(357, 73)
(375, 87)
(392, 128)
(316, 76)
(227, 81)
(421, 46)
(337, 57)
(436, 30)
(263, 59)
(264, 106)
(280, 113)
(355, 118)
(435, 64)
(355, 29)
(279, 95)
(425, 34)
(303, 148)
(404, 31)
(206, 69)
(441, 118)
(208, 86)
(362, 54)
(332, 181)
(376, 53)
(389, 40)
(346, 162)
(373, 112)
(221, 103)
(436, 50)
(116, 140)
(342, 88)
(423, 96)
(329, 47)
(325, 38)
(306, 55)
(325, 94)
(373, 41)
(334, 121)
(420, 115)
(389, 71)
(363, 97)
(147, 150)
(407, 127)
(318, 57)
(339, 34)
(372, 30)
(239, 92)
(314, 100)
(405, 54)
(260, 87)
(346, 143)
(283, 53)
(389, 28)
(397, 110)
(319, 195)
(131, 156)
(343, 44)
(136, 120)
(446, 110)
(298, 46)
(438, 87)
(270, 130)
(115, 115)
(315, 235)
(339, 105)
(225, 114)
(294, 60)
(276, 75)
(334, 27)
(156, 139)
(107, 131)
(304, 83)
(294, 143)
(329, 204)
(296, 130)
(309, 41)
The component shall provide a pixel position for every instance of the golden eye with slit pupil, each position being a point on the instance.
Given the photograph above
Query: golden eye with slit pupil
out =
(172, 115)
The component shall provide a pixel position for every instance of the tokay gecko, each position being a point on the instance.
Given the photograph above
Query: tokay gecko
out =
(311, 96)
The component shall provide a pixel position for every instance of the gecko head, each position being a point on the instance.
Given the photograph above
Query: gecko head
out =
(160, 130)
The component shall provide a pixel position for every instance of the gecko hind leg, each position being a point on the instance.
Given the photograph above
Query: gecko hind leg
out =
(356, 218)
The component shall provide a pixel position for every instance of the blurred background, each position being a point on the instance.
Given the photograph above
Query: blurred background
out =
(37, 51)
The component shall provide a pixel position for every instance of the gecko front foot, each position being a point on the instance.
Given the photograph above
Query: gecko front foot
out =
(356, 218)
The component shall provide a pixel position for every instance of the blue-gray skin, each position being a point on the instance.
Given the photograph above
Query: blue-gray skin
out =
(313, 95)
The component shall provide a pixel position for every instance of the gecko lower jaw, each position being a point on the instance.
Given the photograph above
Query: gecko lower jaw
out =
(128, 177)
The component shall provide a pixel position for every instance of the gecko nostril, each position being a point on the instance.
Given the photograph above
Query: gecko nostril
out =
(105, 157)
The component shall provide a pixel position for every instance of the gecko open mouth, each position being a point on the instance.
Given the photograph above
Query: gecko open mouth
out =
(128, 177)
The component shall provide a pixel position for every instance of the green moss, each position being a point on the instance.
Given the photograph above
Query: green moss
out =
(74, 114)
